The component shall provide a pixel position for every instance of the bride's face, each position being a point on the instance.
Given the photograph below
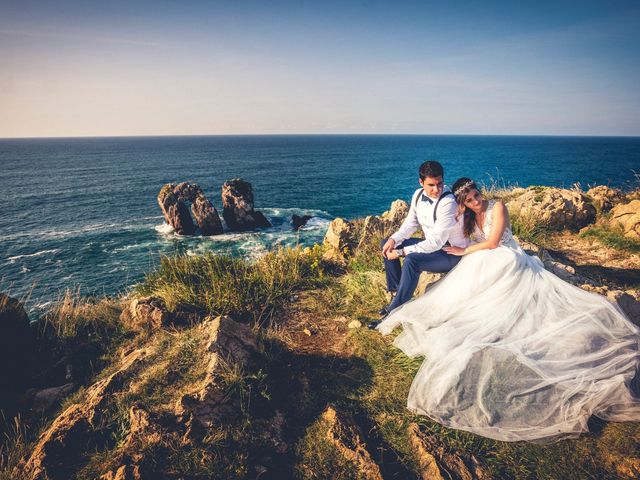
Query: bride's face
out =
(474, 200)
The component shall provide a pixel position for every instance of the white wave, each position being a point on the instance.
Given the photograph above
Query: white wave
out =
(25, 269)
(164, 228)
(37, 254)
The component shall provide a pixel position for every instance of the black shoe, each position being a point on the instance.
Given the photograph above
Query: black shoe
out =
(373, 325)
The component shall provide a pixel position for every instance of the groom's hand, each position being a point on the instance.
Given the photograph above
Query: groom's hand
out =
(388, 248)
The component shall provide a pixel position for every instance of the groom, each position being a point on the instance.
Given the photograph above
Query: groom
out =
(433, 207)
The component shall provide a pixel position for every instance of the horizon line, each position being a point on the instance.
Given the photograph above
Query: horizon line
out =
(69, 137)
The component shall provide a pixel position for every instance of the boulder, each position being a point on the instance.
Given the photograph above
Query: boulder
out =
(394, 217)
(147, 313)
(172, 200)
(300, 221)
(372, 230)
(237, 207)
(604, 198)
(17, 344)
(229, 345)
(627, 217)
(556, 208)
(338, 240)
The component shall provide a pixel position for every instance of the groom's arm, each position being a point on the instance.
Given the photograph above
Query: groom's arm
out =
(438, 235)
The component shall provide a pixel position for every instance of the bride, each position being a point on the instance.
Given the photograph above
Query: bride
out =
(511, 351)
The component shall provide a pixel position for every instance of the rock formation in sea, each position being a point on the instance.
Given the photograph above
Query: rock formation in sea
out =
(238, 207)
(300, 221)
(172, 200)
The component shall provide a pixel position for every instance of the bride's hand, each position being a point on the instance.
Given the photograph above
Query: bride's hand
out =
(454, 251)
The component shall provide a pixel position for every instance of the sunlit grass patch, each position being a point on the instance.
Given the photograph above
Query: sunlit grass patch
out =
(611, 237)
(249, 291)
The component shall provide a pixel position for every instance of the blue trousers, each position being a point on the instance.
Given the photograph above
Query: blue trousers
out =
(404, 279)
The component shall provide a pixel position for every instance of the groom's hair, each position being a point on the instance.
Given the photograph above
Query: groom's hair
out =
(430, 169)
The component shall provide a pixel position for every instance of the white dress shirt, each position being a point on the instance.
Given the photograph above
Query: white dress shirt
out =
(445, 229)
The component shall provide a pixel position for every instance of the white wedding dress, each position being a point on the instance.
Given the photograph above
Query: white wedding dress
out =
(513, 352)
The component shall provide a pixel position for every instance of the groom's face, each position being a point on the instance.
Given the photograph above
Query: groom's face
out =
(432, 186)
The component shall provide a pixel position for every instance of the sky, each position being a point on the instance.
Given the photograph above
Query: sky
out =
(136, 67)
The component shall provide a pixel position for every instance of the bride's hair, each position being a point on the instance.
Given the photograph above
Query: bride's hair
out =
(461, 189)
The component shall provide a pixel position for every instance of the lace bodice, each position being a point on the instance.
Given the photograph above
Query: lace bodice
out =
(481, 235)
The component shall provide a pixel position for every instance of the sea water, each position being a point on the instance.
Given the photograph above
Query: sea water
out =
(81, 213)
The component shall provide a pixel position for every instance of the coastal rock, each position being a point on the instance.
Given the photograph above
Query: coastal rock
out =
(16, 350)
(147, 313)
(373, 228)
(604, 198)
(238, 207)
(299, 221)
(556, 208)
(144, 434)
(172, 200)
(338, 240)
(229, 345)
(52, 457)
(343, 433)
(396, 214)
(627, 217)
(426, 280)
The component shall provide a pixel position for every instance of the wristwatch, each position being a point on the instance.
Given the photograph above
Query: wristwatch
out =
(400, 252)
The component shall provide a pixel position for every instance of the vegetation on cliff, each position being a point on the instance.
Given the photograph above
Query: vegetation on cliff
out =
(258, 369)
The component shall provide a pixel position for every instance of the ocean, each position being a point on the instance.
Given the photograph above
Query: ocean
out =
(81, 213)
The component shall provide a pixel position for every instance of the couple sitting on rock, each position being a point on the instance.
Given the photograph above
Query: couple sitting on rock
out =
(512, 352)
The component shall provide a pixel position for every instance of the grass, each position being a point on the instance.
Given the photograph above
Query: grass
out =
(246, 291)
(611, 238)
(529, 228)
(14, 447)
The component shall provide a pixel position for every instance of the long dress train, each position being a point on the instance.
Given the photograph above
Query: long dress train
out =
(513, 352)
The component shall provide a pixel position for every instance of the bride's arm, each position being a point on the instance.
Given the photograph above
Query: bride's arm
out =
(499, 223)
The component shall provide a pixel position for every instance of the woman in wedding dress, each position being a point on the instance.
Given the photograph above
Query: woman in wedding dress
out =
(513, 352)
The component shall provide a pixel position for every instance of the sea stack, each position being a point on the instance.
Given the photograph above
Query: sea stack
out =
(237, 207)
(172, 200)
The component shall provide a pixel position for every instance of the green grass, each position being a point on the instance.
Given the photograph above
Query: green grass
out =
(611, 238)
(244, 290)
(529, 228)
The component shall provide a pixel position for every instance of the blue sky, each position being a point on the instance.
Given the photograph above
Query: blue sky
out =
(242, 67)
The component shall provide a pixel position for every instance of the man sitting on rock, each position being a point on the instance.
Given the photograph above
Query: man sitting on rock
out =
(433, 207)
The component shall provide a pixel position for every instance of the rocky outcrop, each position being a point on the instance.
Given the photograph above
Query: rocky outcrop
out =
(396, 214)
(604, 198)
(172, 200)
(438, 463)
(16, 350)
(627, 217)
(300, 221)
(144, 434)
(345, 436)
(229, 345)
(238, 207)
(339, 240)
(556, 208)
(147, 313)
(373, 227)
(52, 457)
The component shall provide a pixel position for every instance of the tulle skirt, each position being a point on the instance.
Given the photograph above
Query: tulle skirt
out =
(513, 352)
